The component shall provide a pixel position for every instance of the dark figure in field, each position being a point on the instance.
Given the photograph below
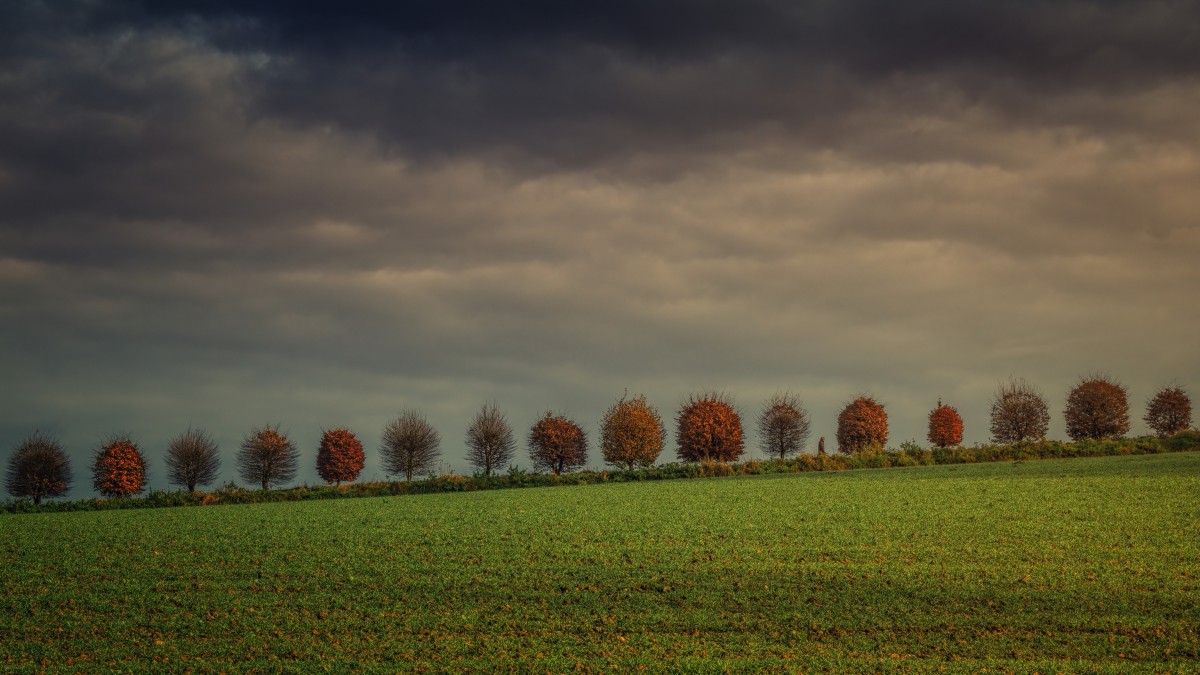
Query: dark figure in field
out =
(821, 446)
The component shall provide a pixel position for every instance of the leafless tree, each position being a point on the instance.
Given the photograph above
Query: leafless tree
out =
(38, 469)
(410, 445)
(1019, 413)
(193, 459)
(268, 457)
(490, 440)
(783, 426)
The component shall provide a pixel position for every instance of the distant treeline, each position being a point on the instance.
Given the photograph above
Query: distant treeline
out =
(709, 434)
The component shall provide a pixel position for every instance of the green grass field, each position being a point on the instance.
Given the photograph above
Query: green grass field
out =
(1068, 565)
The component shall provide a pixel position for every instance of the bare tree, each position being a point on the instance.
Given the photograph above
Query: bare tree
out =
(1019, 413)
(38, 469)
(1097, 407)
(1169, 412)
(193, 459)
(410, 445)
(783, 426)
(268, 457)
(490, 440)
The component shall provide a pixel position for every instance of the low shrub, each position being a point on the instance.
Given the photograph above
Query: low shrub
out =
(713, 469)
(751, 467)
(1188, 439)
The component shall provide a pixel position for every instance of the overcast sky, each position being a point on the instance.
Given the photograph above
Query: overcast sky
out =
(229, 214)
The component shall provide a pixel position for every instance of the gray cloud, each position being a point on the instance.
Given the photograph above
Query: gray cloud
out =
(226, 216)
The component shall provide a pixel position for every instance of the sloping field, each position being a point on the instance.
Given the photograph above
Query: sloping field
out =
(1088, 564)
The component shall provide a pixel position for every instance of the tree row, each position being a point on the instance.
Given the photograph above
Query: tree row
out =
(708, 428)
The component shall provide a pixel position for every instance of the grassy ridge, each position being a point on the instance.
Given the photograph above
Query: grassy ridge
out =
(1052, 566)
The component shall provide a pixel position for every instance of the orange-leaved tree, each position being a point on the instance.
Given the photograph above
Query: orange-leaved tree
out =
(783, 425)
(120, 468)
(1019, 413)
(38, 469)
(1169, 412)
(267, 457)
(632, 433)
(1097, 407)
(708, 428)
(339, 456)
(557, 444)
(862, 425)
(945, 426)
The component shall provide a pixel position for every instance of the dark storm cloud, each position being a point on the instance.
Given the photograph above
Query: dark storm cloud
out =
(103, 98)
(571, 84)
(1033, 39)
(578, 83)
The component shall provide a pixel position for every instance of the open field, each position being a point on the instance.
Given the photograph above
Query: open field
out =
(1057, 565)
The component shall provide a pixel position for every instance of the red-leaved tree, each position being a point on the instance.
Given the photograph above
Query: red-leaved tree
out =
(1097, 407)
(120, 468)
(339, 456)
(557, 444)
(945, 426)
(1169, 412)
(708, 428)
(862, 425)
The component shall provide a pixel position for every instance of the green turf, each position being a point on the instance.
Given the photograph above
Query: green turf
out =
(1067, 565)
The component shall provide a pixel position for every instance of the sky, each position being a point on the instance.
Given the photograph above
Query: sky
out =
(231, 214)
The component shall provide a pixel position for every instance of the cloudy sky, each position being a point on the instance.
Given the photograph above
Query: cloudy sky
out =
(228, 214)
